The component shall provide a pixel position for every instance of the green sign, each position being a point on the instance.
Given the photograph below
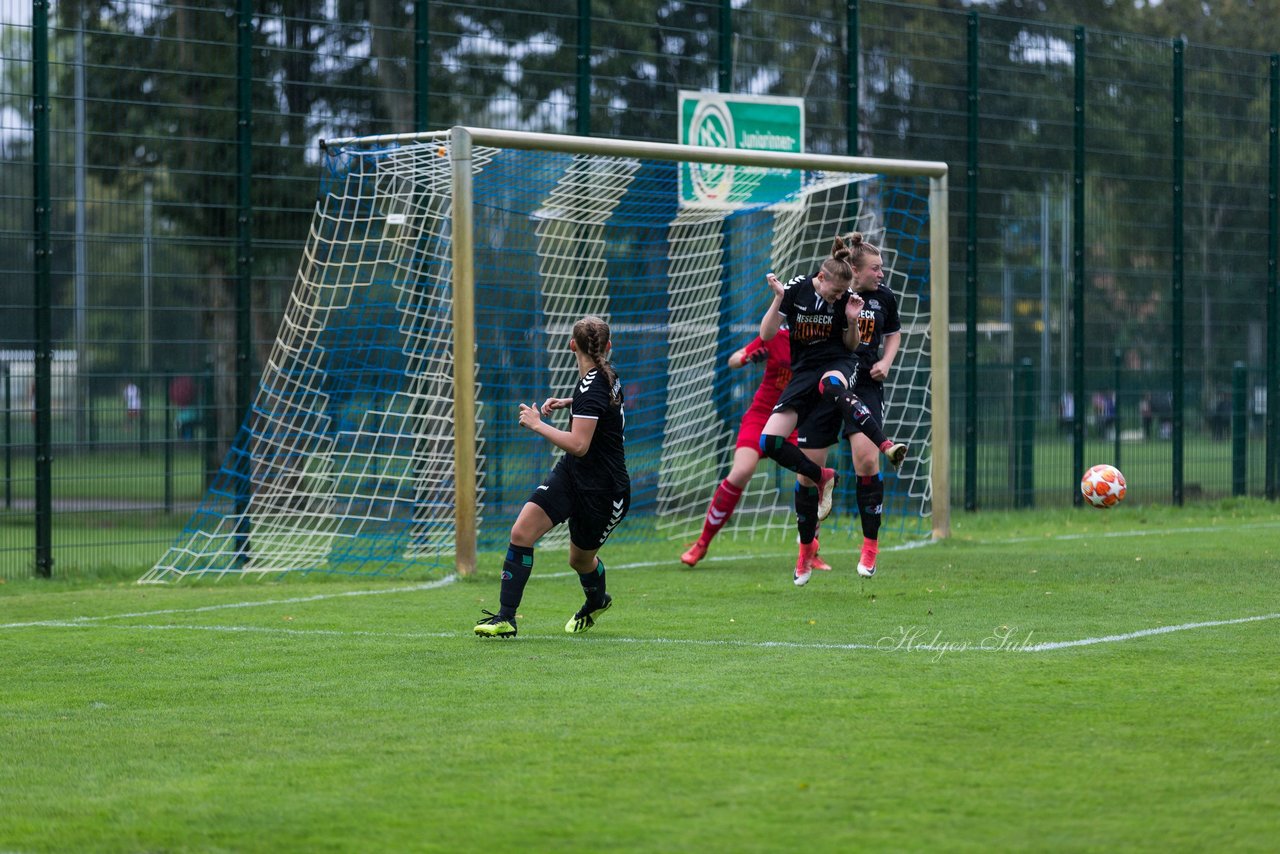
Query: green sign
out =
(756, 122)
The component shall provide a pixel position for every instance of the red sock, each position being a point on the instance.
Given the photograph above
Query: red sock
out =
(722, 504)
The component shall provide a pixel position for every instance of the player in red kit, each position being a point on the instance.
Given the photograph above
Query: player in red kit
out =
(776, 355)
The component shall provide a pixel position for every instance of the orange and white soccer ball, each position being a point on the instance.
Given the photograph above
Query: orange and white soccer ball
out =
(1103, 486)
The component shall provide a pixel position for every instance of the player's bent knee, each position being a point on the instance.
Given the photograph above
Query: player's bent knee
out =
(770, 444)
(832, 383)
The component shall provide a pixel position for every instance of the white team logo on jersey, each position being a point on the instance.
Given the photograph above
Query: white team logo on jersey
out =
(586, 381)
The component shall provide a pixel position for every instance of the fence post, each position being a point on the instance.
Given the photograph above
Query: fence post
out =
(422, 66)
(43, 286)
(1179, 389)
(146, 383)
(1077, 274)
(168, 445)
(210, 418)
(1239, 428)
(1025, 406)
(854, 49)
(244, 379)
(1115, 422)
(1271, 422)
(583, 118)
(725, 46)
(8, 439)
(971, 279)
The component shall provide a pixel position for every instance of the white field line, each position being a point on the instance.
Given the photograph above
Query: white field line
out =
(319, 597)
(1145, 532)
(1144, 633)
(450, 579)
(886, 644)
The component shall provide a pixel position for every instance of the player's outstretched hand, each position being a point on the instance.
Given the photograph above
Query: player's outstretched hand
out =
(529, 417)
(853, 308)
(775, 285)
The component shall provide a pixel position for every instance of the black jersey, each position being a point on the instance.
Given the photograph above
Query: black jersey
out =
(817, 326)
(603, 468)
(878, 318)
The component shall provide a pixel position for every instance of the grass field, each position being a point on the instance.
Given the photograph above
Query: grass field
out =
(1068, 680)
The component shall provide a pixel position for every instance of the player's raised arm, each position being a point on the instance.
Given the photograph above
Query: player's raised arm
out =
(852, 310)
(772, 320)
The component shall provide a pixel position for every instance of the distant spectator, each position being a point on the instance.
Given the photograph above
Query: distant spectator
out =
(1162, 413)
(1219, 417)
(132, 402)
(182, 391)
(1104, 411)
(183, 396)
(1066, 411)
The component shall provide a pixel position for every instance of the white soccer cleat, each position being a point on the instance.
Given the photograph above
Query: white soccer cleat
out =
(826, 492)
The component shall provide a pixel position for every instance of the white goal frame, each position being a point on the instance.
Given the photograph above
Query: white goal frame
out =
(462, 139)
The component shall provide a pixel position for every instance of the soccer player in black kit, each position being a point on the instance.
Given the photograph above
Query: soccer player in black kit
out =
(589, 487)
(878, 326)
(823, 315)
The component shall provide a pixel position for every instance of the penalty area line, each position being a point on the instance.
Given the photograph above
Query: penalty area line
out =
(885, 644)
(257, 603)
(1146, 633)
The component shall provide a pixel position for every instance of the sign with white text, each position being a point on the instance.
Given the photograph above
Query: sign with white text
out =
(756, 122)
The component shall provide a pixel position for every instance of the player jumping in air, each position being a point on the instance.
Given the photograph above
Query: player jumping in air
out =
(878, 325)
(776, 355)
(589, 487)
(822, 314)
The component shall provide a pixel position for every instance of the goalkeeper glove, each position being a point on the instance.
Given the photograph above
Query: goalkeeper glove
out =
(758, 355)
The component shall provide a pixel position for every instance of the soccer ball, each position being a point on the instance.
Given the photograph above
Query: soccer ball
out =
(1103, 486)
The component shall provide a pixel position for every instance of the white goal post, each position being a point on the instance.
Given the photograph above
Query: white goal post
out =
(377, 443)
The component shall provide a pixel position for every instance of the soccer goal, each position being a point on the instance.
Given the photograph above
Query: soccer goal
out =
(436, 292)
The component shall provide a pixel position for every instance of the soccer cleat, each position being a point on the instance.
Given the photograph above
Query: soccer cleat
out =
(586, 616)
(815, 561)
(827, 490)
(495, 626)
(867, 561)
(897, 453)
(803, 569)
(695, 553)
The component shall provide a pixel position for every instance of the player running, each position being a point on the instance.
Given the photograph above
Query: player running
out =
(589, 486)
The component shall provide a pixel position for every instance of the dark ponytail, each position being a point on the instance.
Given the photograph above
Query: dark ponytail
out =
(840, 265)
(591, 335)
(858, 248)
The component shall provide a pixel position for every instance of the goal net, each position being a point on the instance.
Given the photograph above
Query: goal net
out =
(437, 289)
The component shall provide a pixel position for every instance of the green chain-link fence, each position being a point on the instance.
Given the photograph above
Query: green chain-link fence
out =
(1113, 218)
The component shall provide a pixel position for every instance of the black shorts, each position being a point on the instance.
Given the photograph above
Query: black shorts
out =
(818, 421)
(592, 514)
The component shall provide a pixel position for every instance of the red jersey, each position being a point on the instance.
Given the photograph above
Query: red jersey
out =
(777, 369)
